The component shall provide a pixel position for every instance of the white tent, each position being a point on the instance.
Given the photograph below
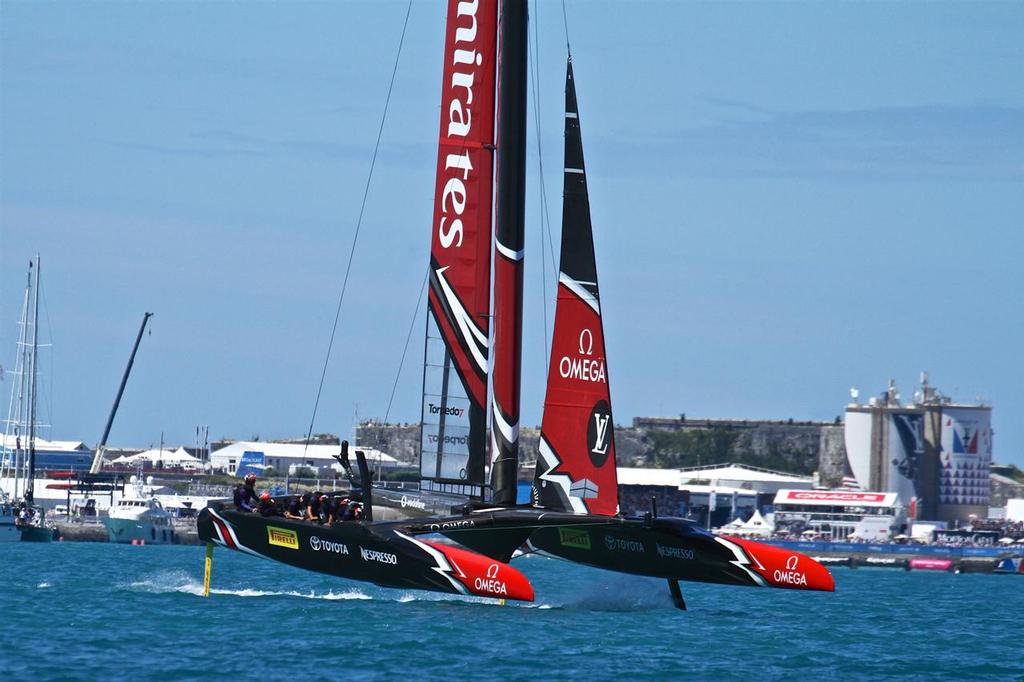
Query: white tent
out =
(756, 525)
(169, 458)
(733, 525)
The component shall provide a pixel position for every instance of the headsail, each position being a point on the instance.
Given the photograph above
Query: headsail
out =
(576, 468)
(453, 438)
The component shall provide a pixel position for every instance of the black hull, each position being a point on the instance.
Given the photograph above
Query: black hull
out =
(361, 551)
(36, 534)
(670, 548)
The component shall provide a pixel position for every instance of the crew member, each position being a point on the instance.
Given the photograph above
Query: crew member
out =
(326, 510)
(354, 512)
(295, 508)
(267, 506)
(313, 507)
(245, 494)
(340, 507)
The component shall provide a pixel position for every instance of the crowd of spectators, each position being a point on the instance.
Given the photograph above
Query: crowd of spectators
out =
(1006, 529)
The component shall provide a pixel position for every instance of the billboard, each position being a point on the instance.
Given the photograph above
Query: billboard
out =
(906, 454)
(835, 498)
(252, 463)
(965, 454)
(857, 435)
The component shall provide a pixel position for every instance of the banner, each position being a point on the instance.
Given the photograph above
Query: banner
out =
(252, 463)
(965, 456)
(906, 452)
(857, 436)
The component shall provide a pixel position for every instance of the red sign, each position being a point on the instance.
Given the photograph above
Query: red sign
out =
(833, 496)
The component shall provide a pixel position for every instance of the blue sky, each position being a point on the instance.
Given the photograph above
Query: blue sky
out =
(789, 200)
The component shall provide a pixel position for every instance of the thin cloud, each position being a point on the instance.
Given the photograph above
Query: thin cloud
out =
(224, 143)
(931, 141)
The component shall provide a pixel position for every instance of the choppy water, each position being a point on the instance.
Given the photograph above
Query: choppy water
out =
(97, 611)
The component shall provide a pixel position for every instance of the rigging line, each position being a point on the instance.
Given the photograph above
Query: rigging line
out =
(359, 222)
(545, 205)
(49, 334)
(534, 50)
(565, 22)
(405, 350)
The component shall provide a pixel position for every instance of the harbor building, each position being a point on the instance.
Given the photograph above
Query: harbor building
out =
(713, 495)
(243, 457)
(933, 453)
(51, 455)
(838, 514)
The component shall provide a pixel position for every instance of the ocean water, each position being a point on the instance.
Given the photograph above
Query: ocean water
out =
(77, 611)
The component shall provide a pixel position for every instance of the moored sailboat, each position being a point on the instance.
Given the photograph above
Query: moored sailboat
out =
(18, 456)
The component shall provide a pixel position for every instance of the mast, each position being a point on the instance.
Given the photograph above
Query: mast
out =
(14, 457)
(97, 459)
(510, 201)
(30, 481)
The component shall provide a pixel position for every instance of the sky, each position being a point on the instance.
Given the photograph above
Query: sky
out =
(789, 200)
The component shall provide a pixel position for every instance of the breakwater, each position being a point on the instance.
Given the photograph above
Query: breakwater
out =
(184, 533)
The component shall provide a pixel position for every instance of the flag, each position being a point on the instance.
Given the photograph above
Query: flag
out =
(711, 501)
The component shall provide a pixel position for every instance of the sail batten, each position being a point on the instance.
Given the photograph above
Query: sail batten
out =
(456, 352)
(576, 468)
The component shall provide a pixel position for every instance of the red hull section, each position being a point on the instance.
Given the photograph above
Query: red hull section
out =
(485, 577)
(784, 568)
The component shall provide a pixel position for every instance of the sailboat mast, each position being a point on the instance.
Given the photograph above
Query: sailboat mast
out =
(510, 202)
(30, 480)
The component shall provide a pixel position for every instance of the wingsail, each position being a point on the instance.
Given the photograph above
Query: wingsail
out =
(576, 468)
(456, 356)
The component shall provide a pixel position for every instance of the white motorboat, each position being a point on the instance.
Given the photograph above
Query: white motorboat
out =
(140, 520)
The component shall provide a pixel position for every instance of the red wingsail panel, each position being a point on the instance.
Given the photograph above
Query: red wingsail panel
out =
(576, 468)
(457, 354)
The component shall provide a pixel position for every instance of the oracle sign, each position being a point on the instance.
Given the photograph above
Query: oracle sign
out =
(832, 496)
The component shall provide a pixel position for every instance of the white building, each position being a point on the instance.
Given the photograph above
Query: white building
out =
(720, 477)
(288, 457)
(837, 514)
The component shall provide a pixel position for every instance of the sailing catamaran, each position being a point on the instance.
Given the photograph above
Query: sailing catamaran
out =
(387, 554)
(574, 511)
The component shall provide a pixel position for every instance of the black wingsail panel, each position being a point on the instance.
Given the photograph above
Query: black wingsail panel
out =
(576, 468)
(453, 437)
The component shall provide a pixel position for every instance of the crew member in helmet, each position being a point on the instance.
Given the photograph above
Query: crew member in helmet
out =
(267, 506)
(338, 509)
(245, 494)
